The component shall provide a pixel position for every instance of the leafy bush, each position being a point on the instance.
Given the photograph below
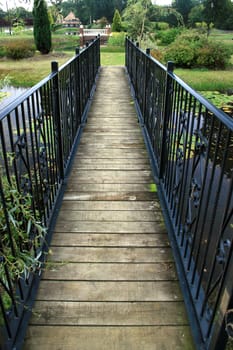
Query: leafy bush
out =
(168, 36)
(117, 39)
(162, 25)
(182, 55)
(19, 49)
(213, 55)
(192, 49)
(157, 54)
(2, 51)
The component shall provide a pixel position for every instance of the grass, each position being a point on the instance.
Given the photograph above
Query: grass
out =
(225, 37)
(28, 72)
(206, 80)
(112, 58)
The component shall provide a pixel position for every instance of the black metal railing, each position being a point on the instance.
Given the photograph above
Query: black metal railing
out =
(38, 132)
(191, 144)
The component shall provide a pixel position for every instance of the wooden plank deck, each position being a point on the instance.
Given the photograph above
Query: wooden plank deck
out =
(110, 282)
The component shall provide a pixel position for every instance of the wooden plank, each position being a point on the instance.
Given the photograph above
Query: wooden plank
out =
(109, 338)
(90, 153)
(113, 254)
(110, 176)
(111, 205)
(110, 196)
(110, 240)
(96, 165)
(129, 144)
(115, 187)
(111, 164)
(109, 313)
(114, 120)
(113, 107)
(110, 227)
(112, 271)
(100, 215)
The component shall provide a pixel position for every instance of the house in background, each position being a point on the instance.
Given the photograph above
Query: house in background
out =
(71, 22)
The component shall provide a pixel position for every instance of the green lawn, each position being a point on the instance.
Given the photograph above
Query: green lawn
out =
(207, 80)
(28, 72)
(112, 58)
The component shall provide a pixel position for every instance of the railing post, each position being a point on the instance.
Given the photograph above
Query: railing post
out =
(166, 115)
(145, 84)
(57, 117)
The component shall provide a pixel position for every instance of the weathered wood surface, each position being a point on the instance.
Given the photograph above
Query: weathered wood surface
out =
(110, 280)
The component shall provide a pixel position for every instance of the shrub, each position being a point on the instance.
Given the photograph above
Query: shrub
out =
(168, 36)
(181, 54)
(2, 51)
(157, 54)
(192, 49)
(213, 55)
(19, 49)
(162, 25)
(117, 39)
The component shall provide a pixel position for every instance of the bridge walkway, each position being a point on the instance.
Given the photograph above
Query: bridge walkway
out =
(110, 280)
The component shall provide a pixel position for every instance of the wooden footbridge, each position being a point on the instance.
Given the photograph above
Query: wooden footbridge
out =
(125, 178)
(110, 281)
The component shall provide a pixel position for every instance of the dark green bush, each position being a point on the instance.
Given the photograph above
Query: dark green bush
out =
(2, 51)
(19, 49)
(213, 55)
(168, 36)
(192, 49)
(181, 54)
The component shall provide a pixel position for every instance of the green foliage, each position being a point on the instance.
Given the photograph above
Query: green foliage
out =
(136, 14)
(117, 39)
(19, 249)
(191, 49)
(196, 15)
(157, 54)
(42, 30)
(89, 10)
(166, 37)
(18, 49)
(220, 12)
(161, 25)
(218, 99)
(116, 24)
(213, 55)
(5, 81)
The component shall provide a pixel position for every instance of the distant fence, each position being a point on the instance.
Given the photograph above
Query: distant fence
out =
(38, 133)
(191, 145)
(89, 34)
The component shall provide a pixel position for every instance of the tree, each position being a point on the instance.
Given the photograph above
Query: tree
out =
(184, 7)
(116, 24)
(216, 11)
(136, 14)
(41, 28)
(196, 15)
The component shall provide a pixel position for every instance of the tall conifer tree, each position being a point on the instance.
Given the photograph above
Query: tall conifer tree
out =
(41, 27)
